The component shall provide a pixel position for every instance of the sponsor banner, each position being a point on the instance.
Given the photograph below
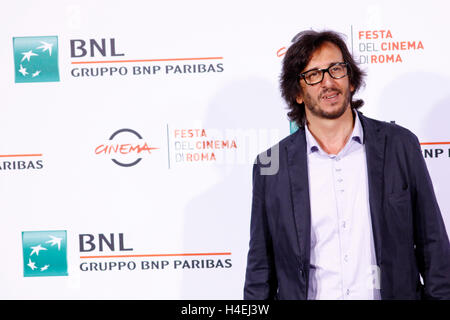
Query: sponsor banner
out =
(201, 146)
(97, 58)
(110, 253)
(128, 139)
(36, 59)
(21, 162)
(125, 147)
(383, 46)
(44, 253)
(435, 150)
(198, 145)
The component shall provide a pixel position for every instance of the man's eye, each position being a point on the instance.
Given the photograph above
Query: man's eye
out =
(336, 69)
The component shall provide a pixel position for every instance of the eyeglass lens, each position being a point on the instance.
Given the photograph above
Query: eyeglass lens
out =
(336, 71)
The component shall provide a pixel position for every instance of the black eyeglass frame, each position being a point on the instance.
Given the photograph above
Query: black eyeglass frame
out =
(302, 75)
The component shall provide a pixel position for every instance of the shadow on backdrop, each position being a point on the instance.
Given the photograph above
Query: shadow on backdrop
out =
(221, 215)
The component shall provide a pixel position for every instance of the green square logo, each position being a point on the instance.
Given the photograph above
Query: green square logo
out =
(44, 253)
(36, 59)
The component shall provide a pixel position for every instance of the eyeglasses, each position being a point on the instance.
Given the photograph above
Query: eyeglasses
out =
(314, 76)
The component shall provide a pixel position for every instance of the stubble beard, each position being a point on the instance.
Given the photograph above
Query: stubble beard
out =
(316, 110)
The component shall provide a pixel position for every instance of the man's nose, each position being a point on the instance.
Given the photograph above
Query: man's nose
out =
(327, 79)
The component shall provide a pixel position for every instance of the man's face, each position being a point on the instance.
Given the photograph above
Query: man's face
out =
(330, 98)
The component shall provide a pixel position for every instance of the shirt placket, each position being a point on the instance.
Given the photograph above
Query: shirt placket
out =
(343, 227)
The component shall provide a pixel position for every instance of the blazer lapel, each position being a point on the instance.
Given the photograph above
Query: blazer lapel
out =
(298, 178)
(375, 141)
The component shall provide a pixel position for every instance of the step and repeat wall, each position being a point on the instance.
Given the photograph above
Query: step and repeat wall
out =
(128, 131)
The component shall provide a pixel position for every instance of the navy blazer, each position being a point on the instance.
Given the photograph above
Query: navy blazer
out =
(409, 233)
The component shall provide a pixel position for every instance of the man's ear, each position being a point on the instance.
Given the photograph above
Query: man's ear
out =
(299, 99)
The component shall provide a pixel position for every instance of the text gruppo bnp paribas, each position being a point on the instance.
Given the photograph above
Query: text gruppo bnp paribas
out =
(109, 252)
(145, 70)
(102, 58)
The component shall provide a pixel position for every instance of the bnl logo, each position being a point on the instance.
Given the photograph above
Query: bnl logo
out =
(36, 59)
(44, 253)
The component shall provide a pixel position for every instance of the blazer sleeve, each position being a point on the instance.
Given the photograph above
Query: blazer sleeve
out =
(431, 239)
(260, 279)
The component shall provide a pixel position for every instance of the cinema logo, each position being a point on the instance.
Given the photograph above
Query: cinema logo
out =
(435, 150)
(378, 47)
(125, 147)
(110, 252)
(382, 46)
(199, 145)
(102, 58)
(21, 162)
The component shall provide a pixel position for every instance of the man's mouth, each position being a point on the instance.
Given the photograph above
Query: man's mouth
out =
(331, 96)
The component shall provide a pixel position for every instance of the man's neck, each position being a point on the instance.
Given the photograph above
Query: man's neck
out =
(332, 134)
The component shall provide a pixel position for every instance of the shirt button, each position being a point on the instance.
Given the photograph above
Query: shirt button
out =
(346, 258)
(340, 180)
(347, 292)
(338, 169)
(343, 224)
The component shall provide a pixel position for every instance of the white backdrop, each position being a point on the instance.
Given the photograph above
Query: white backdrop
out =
(208, 104)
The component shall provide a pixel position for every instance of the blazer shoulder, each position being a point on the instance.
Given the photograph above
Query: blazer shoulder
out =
(401, 135)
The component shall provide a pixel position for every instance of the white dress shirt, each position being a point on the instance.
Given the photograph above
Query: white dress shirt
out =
(343, 262)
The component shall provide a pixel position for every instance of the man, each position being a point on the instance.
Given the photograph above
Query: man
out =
(351, 212)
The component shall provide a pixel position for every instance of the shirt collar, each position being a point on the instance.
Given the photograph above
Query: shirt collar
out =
(357, 135)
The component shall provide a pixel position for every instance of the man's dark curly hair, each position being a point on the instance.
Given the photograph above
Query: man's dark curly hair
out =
(298, 56)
